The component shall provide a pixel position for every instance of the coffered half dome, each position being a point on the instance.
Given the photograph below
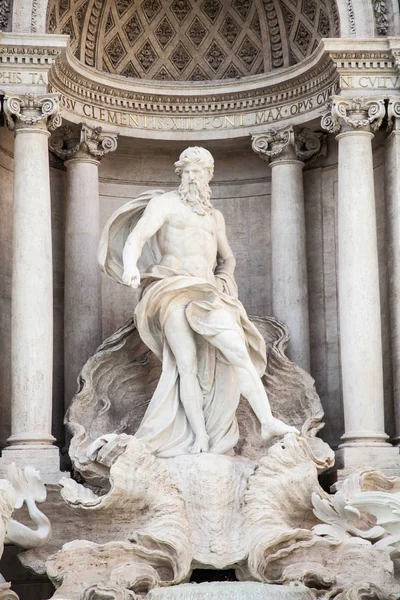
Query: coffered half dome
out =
(192, 40)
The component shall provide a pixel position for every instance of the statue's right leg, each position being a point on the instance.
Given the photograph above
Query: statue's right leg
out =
(181, 340)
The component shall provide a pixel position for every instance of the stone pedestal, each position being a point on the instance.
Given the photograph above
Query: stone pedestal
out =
(364, 440)
(287, 150)
(82, 148)
(32, 288)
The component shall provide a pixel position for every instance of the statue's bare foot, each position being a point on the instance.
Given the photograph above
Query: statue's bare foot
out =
(274, 428)
(201, 444)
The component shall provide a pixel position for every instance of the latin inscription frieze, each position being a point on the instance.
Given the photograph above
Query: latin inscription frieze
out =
(245, 119)
(375, 82)
(11, 77)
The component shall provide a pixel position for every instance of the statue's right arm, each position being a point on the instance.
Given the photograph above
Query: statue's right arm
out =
(152, 220)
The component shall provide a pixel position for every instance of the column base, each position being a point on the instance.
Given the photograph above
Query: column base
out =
(383, 458)
(45, 458)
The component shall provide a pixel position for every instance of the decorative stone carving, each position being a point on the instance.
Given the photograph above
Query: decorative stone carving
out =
(161, 518)
(149, 512)
(383, 501)
(121, 32)
(352, 20)
(381, 16)
(286, 142)
(5, 13)
(277, 58)
(82, 141)
(32, 110)
(355, 113)
(21, 487)
(103, 405)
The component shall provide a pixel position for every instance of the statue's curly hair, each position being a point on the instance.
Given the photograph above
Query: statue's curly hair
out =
(195, 154)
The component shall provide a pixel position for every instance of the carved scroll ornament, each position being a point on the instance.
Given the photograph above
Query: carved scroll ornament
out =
(355, 113)
(32, 110)
(83, 141)
(286, 143)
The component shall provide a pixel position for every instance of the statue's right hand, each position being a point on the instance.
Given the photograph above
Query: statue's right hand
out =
(131, 277)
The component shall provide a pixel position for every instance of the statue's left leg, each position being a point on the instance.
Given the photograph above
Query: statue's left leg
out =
(233, 347)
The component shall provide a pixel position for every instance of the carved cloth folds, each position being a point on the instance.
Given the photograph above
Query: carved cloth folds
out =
(209, 310)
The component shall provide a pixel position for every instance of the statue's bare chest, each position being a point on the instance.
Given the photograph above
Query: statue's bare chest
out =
(186, 233)
(185, 220)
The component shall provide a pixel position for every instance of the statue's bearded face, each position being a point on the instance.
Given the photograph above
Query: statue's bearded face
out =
(194, 189)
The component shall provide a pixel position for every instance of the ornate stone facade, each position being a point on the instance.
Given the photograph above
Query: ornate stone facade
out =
(311, 87)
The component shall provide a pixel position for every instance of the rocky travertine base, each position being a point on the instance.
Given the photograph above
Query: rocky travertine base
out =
(230, 591)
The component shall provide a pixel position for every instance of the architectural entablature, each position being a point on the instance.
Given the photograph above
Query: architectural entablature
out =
(200, 110)
(26, 59)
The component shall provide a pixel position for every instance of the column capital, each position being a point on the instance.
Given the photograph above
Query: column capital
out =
(393, 111)
(82, 142)
(287, 143)
(354, 114)
(32, 111)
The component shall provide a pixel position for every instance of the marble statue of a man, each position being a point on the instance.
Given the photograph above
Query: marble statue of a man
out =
(174, 246)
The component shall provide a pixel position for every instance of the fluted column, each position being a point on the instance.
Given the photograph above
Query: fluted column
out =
(81, 148)
(287, 150)
(31, 442)
(364, 441)
(392, 189)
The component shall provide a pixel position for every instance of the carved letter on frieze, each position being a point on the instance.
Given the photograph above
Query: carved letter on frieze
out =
(40, 110)
(286, 143)
(82, 141)
(355, 113)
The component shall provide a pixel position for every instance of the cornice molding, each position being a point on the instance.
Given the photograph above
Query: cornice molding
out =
(74, 79)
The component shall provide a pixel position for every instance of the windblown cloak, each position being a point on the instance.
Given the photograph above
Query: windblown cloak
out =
(209, 310)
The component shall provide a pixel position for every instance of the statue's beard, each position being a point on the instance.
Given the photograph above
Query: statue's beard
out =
(197, 194)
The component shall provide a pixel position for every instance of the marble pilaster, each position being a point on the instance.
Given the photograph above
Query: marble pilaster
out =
(392, 189)
(364, 441)
(31, 442)
(81, 148)
(287, 150)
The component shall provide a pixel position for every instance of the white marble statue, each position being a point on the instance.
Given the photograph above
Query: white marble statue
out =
(174, 246)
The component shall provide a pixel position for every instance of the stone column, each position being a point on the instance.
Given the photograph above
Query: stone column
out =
(31, 442)
(392, 189)
(81, 148)
(287, 151)
(364, 440)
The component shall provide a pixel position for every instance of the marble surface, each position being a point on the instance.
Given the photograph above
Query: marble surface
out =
(228, 591)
